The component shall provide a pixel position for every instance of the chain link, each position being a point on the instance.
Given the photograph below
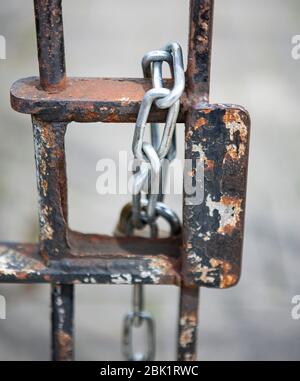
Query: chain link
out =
(148, 177)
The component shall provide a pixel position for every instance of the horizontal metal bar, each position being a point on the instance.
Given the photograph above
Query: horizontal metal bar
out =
(88, 100)
(95, 259)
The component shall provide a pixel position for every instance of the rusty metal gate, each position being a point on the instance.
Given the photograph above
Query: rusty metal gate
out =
(207, 253)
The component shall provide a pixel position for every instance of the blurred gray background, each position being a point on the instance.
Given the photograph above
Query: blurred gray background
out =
(251, 66)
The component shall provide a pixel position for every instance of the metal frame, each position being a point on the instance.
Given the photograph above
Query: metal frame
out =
(64, 257)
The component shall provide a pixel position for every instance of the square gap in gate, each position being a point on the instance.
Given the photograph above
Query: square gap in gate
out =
(99, 169)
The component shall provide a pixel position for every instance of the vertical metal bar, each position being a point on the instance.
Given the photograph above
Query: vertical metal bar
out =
(50, 158)
(199, 54)
(50, 42)
(187, 325)
(52, 189)
(51, 170)
(62, 322)
(198, 80)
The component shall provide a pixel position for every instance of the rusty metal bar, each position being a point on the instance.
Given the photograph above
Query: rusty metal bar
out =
(212, 249)
(188, 323)
(51, 180)
(198, 81)
(62, 297)
(95, 259)
(50, 42)
(51, 170)
(110, 100)
(199, 51)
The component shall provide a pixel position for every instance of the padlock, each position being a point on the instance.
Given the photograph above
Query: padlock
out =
(125, 226)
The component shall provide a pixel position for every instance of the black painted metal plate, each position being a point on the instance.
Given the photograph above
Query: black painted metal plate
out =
(217, 144)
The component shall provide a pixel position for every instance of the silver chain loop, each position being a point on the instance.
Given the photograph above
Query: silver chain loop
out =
(139, 180)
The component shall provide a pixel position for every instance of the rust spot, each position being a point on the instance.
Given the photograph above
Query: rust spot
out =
(22, 275)
(236, 125)
(65, 344)
(229, 209)
(200, 122)
(47, 138)
(188, 328)
(209, 165)
(43, 165)
(44, 187)
(228, 280)
(215, 262)
(161, 266)
(46, 228)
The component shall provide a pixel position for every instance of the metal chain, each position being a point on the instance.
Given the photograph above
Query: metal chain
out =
(138, 317)
(166, 148)
(156, 59)
(148, 177)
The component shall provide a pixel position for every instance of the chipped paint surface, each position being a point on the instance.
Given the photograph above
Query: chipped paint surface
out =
(23, 264)
(229, 210)
(121, 279)
(89, 279)
(46, 230)
(215, 270)
(210, 274)
(12, 261)
(238, 132)
(199, 149)
(205, 274)
(188, 325)
(159, 268)
(188, 321)
(218, 135)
